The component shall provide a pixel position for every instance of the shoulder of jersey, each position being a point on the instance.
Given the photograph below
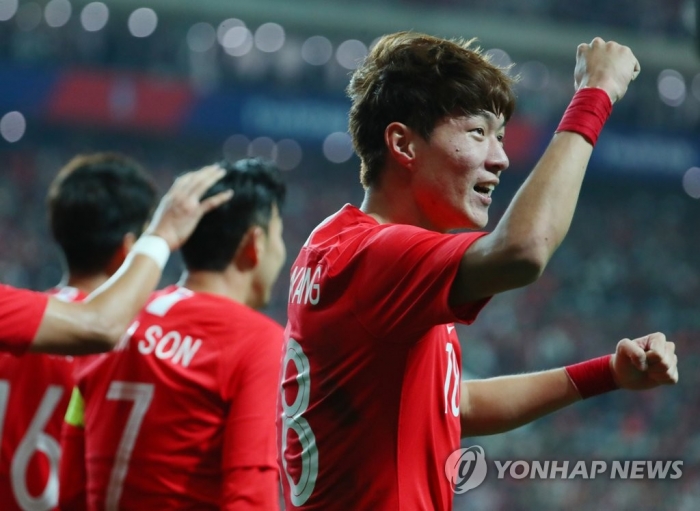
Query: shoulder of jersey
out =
(67, 293)
(185, 301)
(340, 228)
(205, 306)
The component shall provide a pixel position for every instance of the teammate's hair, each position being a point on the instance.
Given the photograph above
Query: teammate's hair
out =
(93, 202)
(417, 79)
(257, 187)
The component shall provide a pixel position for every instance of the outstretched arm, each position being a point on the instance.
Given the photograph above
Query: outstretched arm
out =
(538, 218)
(501, 404)
(98, 323)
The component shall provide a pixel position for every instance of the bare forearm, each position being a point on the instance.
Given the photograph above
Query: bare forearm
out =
(501, 404)
(97, 324)
(517, 251)
(540, 214)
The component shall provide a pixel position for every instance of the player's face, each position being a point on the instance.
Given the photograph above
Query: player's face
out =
(457, 170)
(273, 256)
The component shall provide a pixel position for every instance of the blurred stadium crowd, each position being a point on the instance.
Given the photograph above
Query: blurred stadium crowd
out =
(648, 16)
(630, 264)
(222, 52)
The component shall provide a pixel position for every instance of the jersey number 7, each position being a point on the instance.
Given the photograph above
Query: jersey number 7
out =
(142, 395)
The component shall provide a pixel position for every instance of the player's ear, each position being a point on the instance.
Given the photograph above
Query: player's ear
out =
(400, 143)
(120, 254)
(251, 248)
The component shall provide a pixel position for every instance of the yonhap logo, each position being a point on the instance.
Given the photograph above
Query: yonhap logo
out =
(466, 468)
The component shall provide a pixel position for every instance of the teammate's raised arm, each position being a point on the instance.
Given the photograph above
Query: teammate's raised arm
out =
(97, 324)
(200, 367)
(538, 218)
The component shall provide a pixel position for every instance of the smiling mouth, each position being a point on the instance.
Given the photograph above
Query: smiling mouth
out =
(485, 190)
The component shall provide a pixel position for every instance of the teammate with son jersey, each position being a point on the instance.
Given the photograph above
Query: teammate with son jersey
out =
(98, 205)
(181, 414)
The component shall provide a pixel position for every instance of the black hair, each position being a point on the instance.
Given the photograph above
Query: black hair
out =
(257, 186)
(93, 202)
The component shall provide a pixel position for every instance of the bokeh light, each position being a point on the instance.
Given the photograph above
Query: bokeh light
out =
(289, 154)
(57, 13)
(8, 8)
(671, 85)
(201, 37)
(263, 147)
(94, 16)
(499, 57)
(238, 41)
(317, 50)
(225, 26)
(337, 147)
(350, 53)
(143, 22)
(236, 147)
(28, 16)
(269, 37)
(12, 126)
(691, 182)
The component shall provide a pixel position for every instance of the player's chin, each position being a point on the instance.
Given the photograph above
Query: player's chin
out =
(475, 217)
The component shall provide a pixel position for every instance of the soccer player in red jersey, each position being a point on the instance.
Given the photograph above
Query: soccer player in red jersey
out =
(372, 402)
(31, 321)
(182, 414)
(98, 206)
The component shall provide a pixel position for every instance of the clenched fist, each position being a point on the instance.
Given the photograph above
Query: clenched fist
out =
(645, 363)
(606, 65)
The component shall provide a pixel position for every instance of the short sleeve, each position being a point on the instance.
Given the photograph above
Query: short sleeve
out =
(402, 280)
(250, 489)
(251, 387)
(21, 312)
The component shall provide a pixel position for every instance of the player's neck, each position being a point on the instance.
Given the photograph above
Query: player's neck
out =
(230, 283)
(389, 204)
(84, 282)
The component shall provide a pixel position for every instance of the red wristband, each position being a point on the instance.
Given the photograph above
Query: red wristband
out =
(587, 113)
(592, 377)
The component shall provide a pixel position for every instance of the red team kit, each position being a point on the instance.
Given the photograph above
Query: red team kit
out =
(181, 414)
(160, 412)
(34, 393)
(354, 412)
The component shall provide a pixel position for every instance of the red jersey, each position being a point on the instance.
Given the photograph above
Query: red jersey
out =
(34, 394)
(21, 312)
(369, 410)
(179, 407)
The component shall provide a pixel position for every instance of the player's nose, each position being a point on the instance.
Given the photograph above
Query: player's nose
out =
(497, 160)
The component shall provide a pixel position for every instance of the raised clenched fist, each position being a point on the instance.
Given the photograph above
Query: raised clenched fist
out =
(606, 65)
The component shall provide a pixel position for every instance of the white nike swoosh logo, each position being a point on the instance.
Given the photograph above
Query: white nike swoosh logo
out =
(450, 328)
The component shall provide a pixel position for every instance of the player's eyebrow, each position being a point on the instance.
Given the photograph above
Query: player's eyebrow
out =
(493, 119)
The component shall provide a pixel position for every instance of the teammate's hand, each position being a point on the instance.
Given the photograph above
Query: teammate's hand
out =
(645, 363)
(180, 209)
(605, 65)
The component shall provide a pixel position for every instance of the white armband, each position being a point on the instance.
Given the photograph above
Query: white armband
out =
(154, 247)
